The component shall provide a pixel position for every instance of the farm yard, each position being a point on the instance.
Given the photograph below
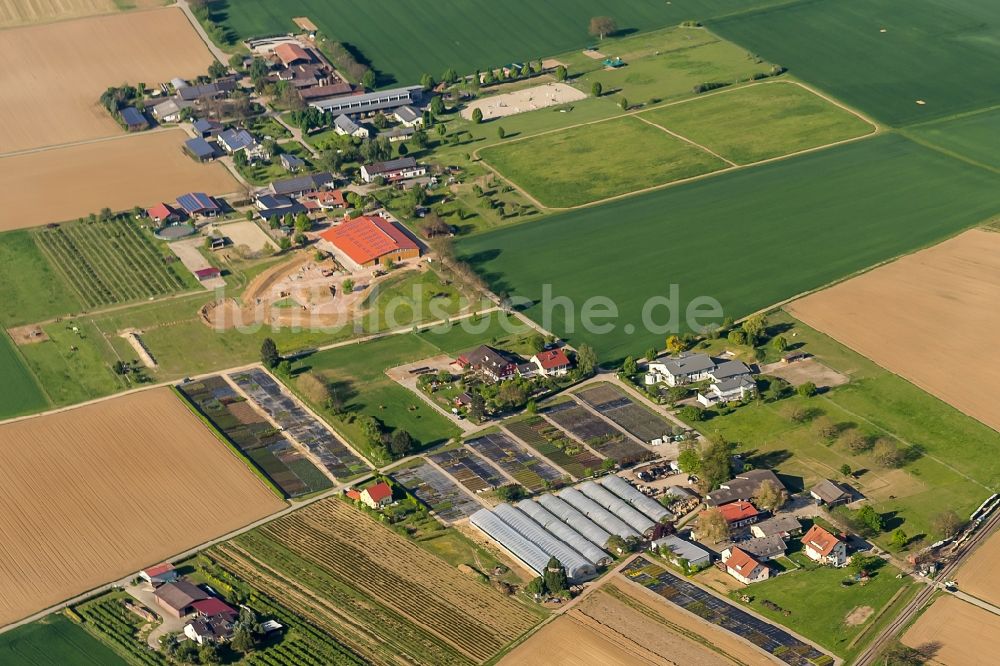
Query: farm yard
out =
(556, 445)
(102, 452)
(879, 59)
(958, 632)
(806, 233)
(574, 166)
(469, 470)
(269, 449)
(55, 74)
(618, 406)
(327, 560)
(269, 396)
(109, 262)
(881, 316)
(948, 458)
(438, 491)
(526, 469)
(976, 575)
(55, 640)
(157, 171)
(779, 643)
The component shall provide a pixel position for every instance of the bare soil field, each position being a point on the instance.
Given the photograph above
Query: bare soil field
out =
(528, 99)
(568, 641)
(907, 316)
(119, 173)
(246, 234)
(24, 12)
(962, 634)
(806, 370)
(94, 493)
(978, 575)
(53, 75)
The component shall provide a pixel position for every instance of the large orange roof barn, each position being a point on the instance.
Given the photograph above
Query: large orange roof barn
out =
(365, 240)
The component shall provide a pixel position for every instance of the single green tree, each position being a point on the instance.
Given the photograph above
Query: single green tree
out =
(623, 104)
(500, 133)
(555, 577)
(368, 80)
(586, 360)
(630, 367)
(477, 115)
(561, 73)
(596, 89)
(437, 106)
(806, 390)
(269, 353)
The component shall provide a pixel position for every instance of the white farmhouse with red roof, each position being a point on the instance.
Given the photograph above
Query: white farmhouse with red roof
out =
(552, 363)
(744, 568)
(824, 547)
(377, 496)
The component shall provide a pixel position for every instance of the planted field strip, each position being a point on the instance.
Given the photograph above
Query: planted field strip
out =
(328, 562)
(269, 396)
(555, 445)
(250, 432)
(600, 435)
(618, 406)
(710, 608)
(527, 470)
(304, 645)
(438, 491)
(114, 624)
(108, 262)
(469, 470)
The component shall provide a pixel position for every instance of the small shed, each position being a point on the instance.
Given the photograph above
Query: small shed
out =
(207, 273)
(291, 163)
(200, 149)
(133, 119)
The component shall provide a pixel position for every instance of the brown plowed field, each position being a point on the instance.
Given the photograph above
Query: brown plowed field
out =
(66, 183)
(962, 634)
(930, 317)
(978, 576)
(24, 12)
(53, 75)
(91, 494)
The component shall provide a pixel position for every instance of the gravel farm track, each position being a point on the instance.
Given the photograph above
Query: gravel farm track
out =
(143, 492)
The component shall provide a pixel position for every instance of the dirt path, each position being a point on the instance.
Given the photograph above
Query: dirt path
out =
(687, 140)
(219, 54)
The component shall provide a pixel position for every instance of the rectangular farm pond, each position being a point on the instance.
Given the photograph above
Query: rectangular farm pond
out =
(250, 432)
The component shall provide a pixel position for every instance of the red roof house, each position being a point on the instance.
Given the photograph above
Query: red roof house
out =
(823, 546)
(352, 494)
(552, 362)
(739, 514)
(377, 495)
(207, 273)
(160, 574)
(744, 568)
(161, 213)
(213, 606)
(289, 53)
(366, 241)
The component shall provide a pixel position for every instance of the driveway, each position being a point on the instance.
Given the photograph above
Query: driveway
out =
(188, 251)
(143, 593)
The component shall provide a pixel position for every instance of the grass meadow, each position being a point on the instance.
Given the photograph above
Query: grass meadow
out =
(760, 121)
(403, 41)
(19, 391)
(941, 53)
(583, 164)
(55, 641)
(748, 238)
(32, 290)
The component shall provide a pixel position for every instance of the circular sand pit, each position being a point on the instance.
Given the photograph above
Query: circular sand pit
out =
(175, 231)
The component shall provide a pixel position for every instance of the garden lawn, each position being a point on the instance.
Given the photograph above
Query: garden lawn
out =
(749, 238)
(55, 641)
(760, 121)
(19, 392)
(463, 34)
(32, 291)
(820, 605)
(954, 465)
(584, 164)
(972, 137)
(941, 53)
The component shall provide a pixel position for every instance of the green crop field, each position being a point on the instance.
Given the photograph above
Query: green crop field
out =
(32, 290)
(760, 121)
(973, 137)
(583, 164)
(55, 641)
(748, 238)
(403, 40)
(19, 392)
(941, 53)
(110, 262)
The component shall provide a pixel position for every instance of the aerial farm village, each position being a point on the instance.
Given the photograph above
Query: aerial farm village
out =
(326, 332)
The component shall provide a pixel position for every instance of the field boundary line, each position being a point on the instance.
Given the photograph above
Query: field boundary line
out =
(686, 140)
(955, 116)
(84, 142)
(945, 151)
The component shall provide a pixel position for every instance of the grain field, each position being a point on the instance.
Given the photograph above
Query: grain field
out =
(94, 493)
(955, 633)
